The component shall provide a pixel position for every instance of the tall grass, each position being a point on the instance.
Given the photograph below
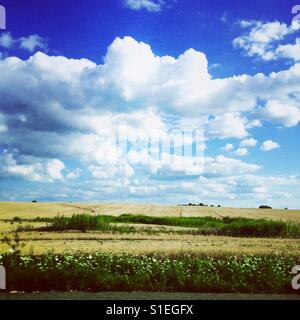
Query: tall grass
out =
(235, 227)
(80, 222)
(226, 226)
(84, 222)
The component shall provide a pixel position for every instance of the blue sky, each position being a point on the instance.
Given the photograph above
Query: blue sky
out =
(72, 73)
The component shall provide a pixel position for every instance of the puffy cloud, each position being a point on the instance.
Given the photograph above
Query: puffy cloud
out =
(228, 125)
(169, 165)
(241, 152)
(42, 171)
(54, 168)
(283, 112)
(30, 43)
(223, 166)
(269, 145)
(6, 40)
(40, 94)
(253, 124)
(106, 172)
(228, 147)
(149, 5)
(172, 166)
(260, 41)
(290, 51)
(132, 78)
(248, 142)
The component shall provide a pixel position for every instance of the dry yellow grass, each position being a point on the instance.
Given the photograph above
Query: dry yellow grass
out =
(8, 227)
(139, 244)
(8, 210)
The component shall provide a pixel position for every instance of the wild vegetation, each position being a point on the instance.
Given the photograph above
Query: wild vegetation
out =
(236, 227)
(125, 272)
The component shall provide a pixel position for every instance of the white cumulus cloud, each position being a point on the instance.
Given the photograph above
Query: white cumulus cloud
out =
(283, 112)
(149, 5)
(269, 145)
(30, 169)
(227, 147)
(262, 39)
(248, 142)
(241, 152)
(31, 43)
(228, 125)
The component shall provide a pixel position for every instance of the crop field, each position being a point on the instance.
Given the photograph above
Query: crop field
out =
(157, 247)
(9, 210)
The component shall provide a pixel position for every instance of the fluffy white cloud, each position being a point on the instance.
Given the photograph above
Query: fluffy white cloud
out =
(283, 112)
(241, 152)
(133, 78)
(260, 41)
(149, 5)
(180, 167)
(222, 166)
(45, 88)
(107, 172)
(290, 51)
(6, 40)
(228, 125)
(42, 171)
(269, 145)
(228, 147)
(254, 124)
(54, 169)
(248, 142)
(168, 165)
(30, 43)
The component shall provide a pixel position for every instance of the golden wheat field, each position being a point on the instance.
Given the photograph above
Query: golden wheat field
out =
(139, 242)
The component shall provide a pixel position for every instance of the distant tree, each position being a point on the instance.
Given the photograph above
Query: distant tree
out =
(201, 204)
(264, 207)
(219, 206)
(34, 201)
